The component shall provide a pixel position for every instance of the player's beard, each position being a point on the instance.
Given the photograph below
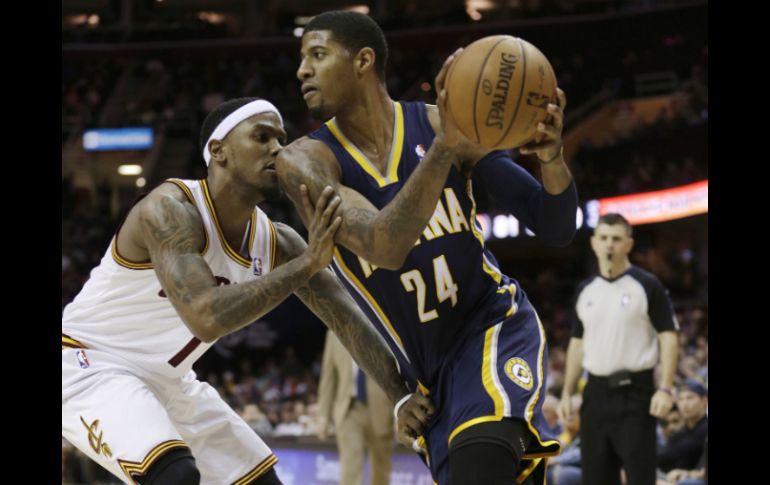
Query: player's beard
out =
(272, 192)
(318, 113)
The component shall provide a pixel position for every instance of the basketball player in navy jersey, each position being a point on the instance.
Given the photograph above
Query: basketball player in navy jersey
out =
(412, 256)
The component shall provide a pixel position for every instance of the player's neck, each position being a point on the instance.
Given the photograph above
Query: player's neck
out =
(367, 121)
(613, 269)
(233, 205)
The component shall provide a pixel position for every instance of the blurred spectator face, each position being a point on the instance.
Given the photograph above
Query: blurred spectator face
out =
(325, 71)
(611, 242)
(672, 423)
(691, 405)
(299, 408)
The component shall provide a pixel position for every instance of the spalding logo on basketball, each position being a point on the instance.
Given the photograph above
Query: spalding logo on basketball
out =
(499, 88)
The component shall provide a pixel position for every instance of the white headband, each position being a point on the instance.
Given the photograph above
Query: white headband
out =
(231, 121)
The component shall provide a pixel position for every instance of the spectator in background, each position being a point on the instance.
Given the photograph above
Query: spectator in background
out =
(361, 414)
(669, 425)
(685, 447)
(564, 469)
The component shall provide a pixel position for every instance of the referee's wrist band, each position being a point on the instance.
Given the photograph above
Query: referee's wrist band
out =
(401, 403)
(667, 390)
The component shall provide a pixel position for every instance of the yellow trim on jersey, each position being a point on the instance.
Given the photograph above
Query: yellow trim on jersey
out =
(365, 293)
(489, 385)
(533, 400)
(69, 342)
(395, 151)
(257, 471)
(191, 197)
(148, 265)
(131, 468)
(225, 245)
(495, 275)
(184, 188)
(528, 471)
(424, 390)
(273, 244)
(124, 262)
(253, 231)
(398, 142)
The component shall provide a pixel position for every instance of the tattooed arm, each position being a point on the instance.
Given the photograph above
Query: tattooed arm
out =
(172, 232)
(382, 237)
(325, 296)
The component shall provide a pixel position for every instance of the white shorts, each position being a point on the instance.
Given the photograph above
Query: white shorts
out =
(125, 419)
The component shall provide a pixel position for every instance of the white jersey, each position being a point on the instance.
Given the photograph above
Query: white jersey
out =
(123, 310)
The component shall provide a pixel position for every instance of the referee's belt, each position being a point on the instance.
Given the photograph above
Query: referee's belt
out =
(624, 378)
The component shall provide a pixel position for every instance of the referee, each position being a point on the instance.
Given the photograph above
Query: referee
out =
(623, 321)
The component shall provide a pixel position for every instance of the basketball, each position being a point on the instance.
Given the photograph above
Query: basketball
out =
(498, 90)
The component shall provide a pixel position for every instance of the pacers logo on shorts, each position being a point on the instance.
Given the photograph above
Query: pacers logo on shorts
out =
(518, 371)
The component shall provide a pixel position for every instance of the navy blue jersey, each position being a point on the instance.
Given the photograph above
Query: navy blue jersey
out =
(449, 286)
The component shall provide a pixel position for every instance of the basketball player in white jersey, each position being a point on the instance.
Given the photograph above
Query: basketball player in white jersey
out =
(195, 260)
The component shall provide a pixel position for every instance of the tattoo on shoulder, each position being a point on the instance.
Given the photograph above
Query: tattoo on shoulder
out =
(171, 224)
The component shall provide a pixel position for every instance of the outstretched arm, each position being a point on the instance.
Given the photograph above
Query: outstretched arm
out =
(172, 232)
(549, 208)
(325, 296)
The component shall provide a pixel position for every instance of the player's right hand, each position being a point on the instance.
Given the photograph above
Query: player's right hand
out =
(413, 416)
(322, 228)
(565, 409)
(450, 135)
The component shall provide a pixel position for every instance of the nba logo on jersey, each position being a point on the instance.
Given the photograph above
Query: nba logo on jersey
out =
(82, 359)
(625, 300)
(420, 151)
(257, 266)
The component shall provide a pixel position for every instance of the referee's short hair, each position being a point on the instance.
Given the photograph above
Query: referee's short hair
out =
(614, 218)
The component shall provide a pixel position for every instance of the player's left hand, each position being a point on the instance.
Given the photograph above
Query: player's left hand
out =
(548, 143)
(661, 404)
(450, 135)
(413, 416)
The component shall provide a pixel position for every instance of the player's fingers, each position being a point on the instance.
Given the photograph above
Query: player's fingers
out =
(307, 205)
(441, 76)
(562, 98)
(323, 200)
(333, 227)
(330, 208)
(425, 403)
(557, 115)
(549, 131)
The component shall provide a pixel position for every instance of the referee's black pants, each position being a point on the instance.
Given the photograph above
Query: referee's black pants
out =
(617, 431)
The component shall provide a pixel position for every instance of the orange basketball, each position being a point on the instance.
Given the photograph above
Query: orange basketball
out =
(498, 90)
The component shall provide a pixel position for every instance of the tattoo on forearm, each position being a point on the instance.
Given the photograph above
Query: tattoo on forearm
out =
(329, 301)
(414, 209)
(175, 235)
(240, 304)
(359, 222)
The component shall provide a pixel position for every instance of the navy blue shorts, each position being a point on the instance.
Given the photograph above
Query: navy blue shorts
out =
(497, 373)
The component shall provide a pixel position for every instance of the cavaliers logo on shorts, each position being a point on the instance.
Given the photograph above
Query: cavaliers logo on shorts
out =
(518, 371)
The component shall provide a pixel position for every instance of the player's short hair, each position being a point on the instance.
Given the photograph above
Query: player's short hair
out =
(215, 117)
(354, 31)
(614, 218)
